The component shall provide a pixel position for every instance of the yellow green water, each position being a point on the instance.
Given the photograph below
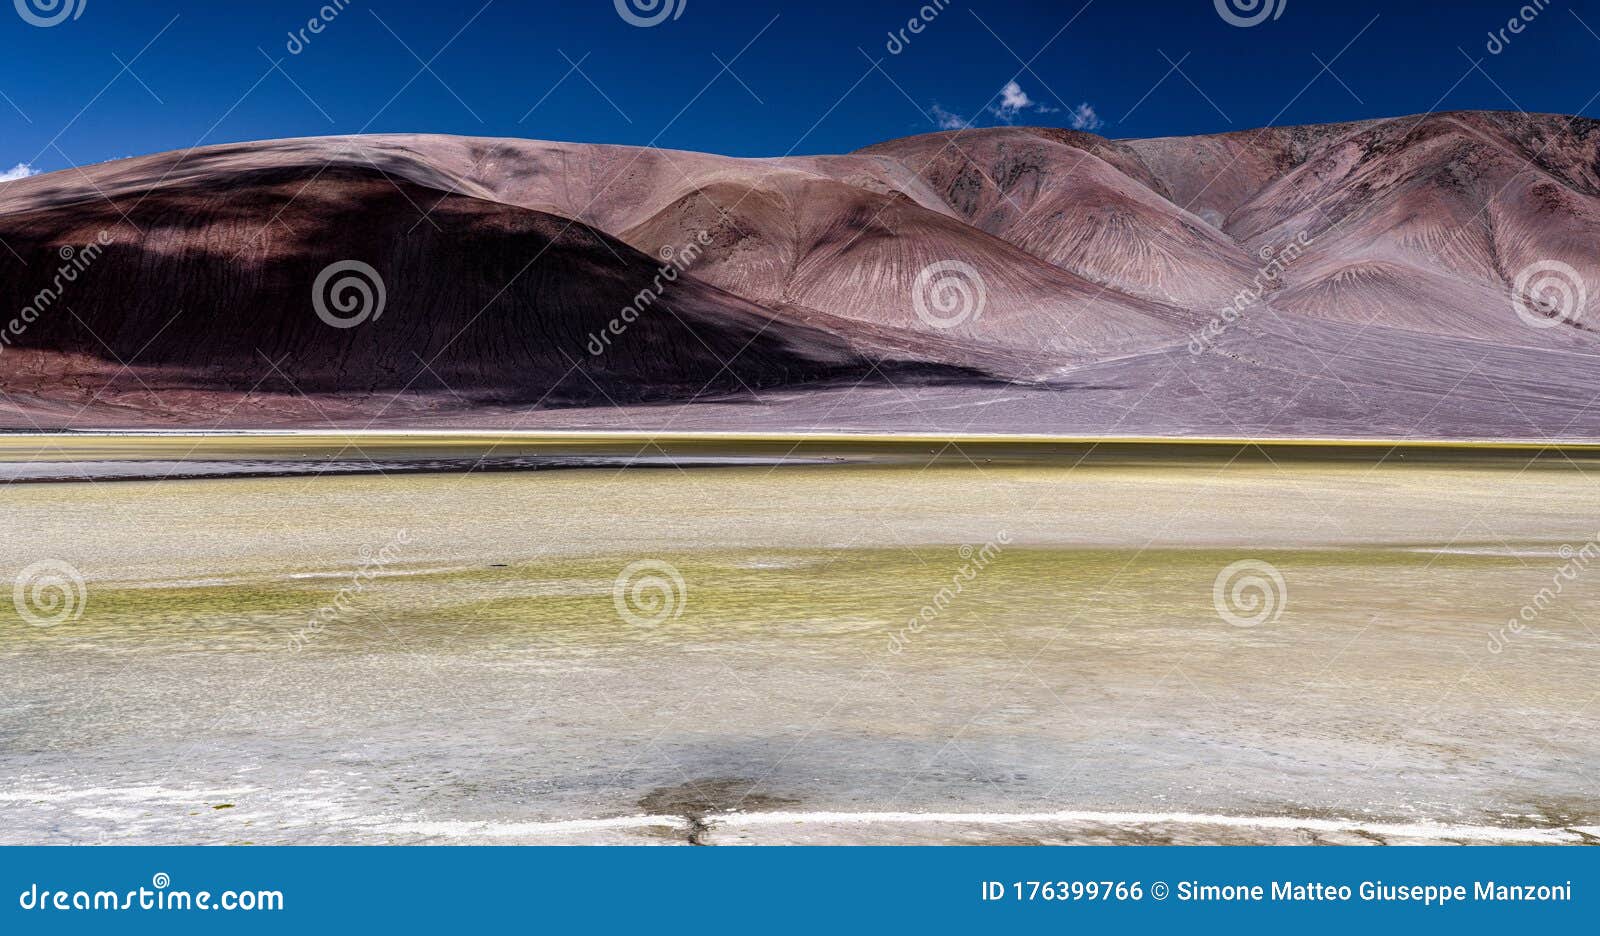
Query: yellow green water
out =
(861, 595)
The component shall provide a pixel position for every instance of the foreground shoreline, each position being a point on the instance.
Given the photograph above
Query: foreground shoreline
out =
(203, 443)
(180, 454)
(624, 435)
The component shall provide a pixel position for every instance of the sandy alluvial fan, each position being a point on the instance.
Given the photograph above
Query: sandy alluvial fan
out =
(1436, 275)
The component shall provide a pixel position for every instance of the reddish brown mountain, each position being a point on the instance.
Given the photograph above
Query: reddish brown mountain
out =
(1076, 276)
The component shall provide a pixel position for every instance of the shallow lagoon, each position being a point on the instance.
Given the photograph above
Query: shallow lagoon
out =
(444, 657)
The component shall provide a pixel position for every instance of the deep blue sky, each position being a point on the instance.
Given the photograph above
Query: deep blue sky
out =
(817, 91)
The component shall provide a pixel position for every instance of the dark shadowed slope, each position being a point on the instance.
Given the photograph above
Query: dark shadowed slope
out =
(208, 288)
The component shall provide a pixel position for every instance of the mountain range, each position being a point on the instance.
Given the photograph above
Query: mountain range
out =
(1427, 276)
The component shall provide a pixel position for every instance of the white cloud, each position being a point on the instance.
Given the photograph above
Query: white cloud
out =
(19, 171)
(1083, 117)
(1013, 101)
(947, 120)
(1012, 97)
